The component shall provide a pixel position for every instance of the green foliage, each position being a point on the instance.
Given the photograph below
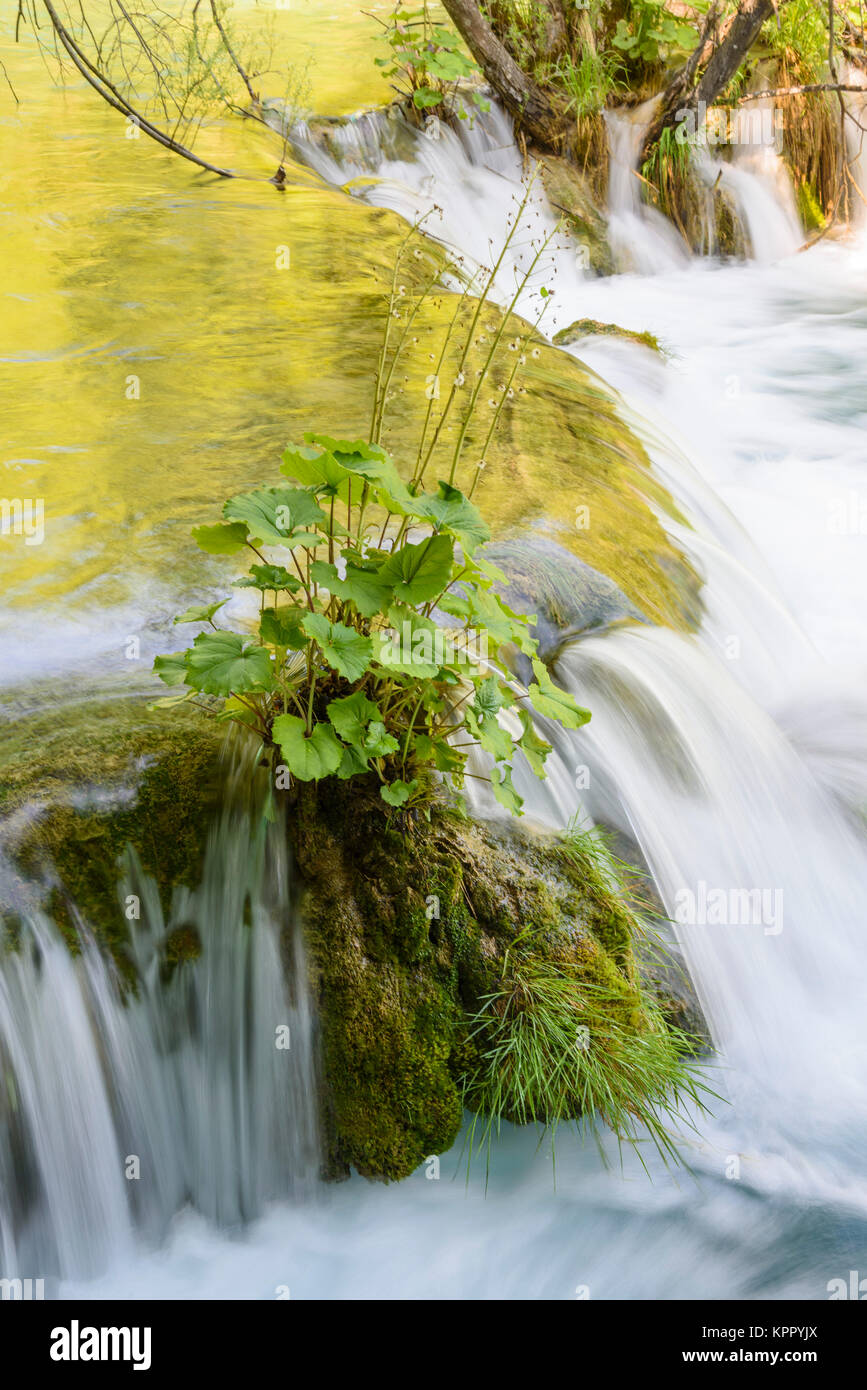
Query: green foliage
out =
(799, 35)
(588, 81)
(428, 60)
(352, 670)
(651, 35)
(666, 171)
(382, 647)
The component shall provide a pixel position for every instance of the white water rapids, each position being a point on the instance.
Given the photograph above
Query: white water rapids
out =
(736, 759)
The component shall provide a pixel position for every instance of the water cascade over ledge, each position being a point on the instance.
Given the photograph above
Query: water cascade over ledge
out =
(203, 1081)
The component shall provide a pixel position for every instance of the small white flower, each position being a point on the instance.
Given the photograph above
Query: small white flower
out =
(535, 352)
(459, 379)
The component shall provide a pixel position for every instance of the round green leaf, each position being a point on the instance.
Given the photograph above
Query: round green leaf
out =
(343, 648)
(224, 663)
(308, 759)
(420, 572)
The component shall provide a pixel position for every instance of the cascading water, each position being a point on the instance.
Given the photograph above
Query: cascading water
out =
(735, 758)
(196, 1089)
(456, 173)
(641, 238)
(715, 753)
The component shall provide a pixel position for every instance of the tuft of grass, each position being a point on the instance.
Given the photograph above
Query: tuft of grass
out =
(587, 81)
(555, 1047)
(666, 173)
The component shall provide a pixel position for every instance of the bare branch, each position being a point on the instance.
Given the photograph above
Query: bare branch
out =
(110, 94)
(808, 87)
(231, 52)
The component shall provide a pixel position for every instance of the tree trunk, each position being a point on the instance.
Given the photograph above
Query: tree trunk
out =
(555, 29)
(531, 108)
(726, 56)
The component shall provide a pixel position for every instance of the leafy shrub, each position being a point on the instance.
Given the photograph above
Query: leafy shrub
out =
(353, 668)
(428, 58)
(382, 645)
(651, 35)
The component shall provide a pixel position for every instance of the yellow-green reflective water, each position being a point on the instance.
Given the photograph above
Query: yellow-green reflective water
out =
(164, 332)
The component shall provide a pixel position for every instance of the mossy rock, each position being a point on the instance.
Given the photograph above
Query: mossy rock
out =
(731, 241)
(570, 194)
(407, 921)
(79, 784)
(407, 931)
(589, 328)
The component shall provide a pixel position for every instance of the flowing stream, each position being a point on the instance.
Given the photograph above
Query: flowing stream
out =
(736, 759)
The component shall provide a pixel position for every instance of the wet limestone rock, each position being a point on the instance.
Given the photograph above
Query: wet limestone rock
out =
(571, 197)
(79, 785)
(407, 921)
(589, 328)
(567, 596)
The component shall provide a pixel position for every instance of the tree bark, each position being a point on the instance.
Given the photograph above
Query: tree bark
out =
(533, 109)
(731, 53)
(555, 30)
(723, 58)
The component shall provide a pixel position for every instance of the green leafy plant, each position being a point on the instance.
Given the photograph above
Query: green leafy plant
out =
(651, 35)
(382, 645)
(355, 667)
(428, 60)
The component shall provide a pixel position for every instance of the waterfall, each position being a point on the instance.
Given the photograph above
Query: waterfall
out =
(453, 177)
(449, 177)
(118, 1107)
(684, 761)
(736, 758)
(641, 238)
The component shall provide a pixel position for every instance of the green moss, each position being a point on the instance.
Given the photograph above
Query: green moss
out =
(409, 924)
(812, 217)
(585, 328)
(408, 932)
(100, 778)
